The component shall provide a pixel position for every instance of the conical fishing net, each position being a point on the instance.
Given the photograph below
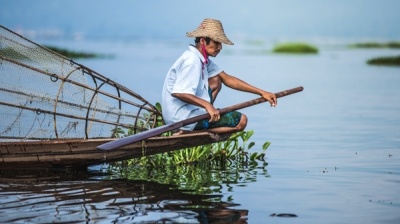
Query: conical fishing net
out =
(44, 95)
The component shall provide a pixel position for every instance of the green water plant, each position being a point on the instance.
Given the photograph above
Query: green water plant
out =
(386, 61)
(235, 148)
(71, 54)
(12, 53)
(203, 169)
(295, 48)
(145, 122)
(392, 44)
(195, 178)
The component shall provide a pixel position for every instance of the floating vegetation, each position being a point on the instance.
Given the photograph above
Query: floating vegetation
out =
(394, 45)
(195, 168)
(11, 53)
(197, 178)
(72, 54)
(217, 166)
(386, 61)
(235, 148)
(295, 48)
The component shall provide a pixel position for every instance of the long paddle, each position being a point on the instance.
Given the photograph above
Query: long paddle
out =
(169, 127)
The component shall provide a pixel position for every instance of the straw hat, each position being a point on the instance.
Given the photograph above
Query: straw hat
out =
(211, 28)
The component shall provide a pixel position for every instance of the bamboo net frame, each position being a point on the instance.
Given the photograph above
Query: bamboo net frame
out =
(44, 95)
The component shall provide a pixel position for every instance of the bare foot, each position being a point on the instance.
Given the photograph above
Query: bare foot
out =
(180, 132)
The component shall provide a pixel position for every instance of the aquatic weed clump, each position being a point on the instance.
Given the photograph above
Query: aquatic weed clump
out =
(385, 61)
(207, 177)
(234, 149)
(72, 54)
(199, 170)
(295, 48)
(392, 45)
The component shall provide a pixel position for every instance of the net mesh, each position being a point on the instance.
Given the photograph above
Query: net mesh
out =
(44, 95)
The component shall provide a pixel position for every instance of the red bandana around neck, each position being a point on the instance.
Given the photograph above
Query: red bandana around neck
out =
(203, 51)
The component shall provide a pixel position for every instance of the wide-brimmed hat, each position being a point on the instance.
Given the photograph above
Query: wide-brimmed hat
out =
(211, 28)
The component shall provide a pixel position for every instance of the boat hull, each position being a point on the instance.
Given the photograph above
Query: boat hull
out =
(81, 153)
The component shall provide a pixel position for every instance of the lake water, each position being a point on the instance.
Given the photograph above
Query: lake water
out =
(334, 157)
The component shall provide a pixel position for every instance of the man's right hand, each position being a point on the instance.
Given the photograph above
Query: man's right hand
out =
(214, 113)
(192, 99)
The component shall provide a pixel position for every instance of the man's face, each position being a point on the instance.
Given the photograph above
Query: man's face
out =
(213, 48)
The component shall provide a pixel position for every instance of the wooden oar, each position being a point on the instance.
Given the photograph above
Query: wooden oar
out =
(169, 127)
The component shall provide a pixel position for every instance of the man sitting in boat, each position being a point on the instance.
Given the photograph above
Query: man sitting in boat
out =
(194, 81)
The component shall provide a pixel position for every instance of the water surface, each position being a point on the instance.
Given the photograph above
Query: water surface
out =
(334, 157)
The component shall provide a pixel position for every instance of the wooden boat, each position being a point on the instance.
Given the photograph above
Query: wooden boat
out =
(81, 153)
(55, 111)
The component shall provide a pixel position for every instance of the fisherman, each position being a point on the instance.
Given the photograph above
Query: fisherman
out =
(194, 81)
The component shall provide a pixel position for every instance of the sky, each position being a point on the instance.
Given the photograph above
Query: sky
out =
(173, 18)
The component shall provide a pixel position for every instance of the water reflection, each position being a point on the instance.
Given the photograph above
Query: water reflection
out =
(200, 178)
(190, 194)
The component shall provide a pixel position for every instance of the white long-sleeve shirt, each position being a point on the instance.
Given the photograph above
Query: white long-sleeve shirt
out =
(187, 76)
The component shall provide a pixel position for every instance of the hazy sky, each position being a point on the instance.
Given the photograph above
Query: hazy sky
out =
(173, 18)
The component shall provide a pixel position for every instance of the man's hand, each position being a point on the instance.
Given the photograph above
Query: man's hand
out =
(271, 98)
(238, 84)
(214, 113)
(192, 99)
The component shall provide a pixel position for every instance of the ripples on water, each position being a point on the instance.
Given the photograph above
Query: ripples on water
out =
(80, 196)
(334, 157)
